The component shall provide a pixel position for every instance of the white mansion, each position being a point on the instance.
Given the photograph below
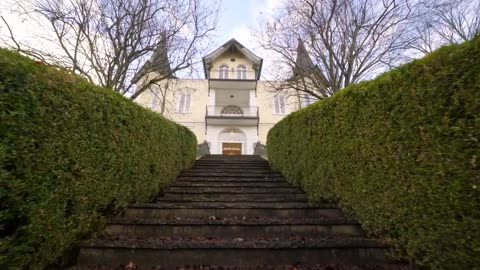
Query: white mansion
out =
(231, 109)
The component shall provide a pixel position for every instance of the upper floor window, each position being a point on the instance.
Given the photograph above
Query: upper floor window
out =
(155, 101)
(307, 100)
(223, 72)
(232, 109)
(241, 72)
(280, 104)
(184, 103)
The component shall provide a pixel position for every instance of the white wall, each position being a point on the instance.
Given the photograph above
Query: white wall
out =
(216, 147)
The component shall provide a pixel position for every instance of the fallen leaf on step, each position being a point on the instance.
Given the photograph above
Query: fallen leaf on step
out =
(131, 266)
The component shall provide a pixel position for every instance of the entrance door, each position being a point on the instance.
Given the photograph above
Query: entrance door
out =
(231, 149)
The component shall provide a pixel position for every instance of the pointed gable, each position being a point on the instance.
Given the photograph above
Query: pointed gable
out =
(232, 46)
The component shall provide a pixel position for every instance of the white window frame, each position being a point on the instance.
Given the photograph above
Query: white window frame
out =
(184, 103)
(307, 100)
(155, 101)
(241, 72)
(280, 104)
(223, 71)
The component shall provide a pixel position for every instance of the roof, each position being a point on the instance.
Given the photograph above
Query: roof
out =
(303, 63)
(232, 43)
(159, 62)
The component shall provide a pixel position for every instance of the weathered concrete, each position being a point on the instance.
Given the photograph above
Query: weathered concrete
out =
(148, 257)
(233, 197)
(232, 184)
(232, 211)
(250, 231)
(196, 189)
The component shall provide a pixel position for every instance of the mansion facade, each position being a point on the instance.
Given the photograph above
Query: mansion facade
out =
(231, 109)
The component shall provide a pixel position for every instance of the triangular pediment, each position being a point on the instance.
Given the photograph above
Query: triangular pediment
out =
(232, 46)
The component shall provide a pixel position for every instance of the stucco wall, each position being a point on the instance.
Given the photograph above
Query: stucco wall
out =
(265, 101)
(226, 59)
(195, 118)
(216, 146)
(262, 96)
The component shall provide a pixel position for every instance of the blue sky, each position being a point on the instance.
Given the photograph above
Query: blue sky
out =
(238, 18)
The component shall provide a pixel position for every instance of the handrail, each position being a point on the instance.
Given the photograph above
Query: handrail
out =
(232, 74)
(243, 111)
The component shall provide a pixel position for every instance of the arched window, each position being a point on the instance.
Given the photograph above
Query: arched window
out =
(241, 72)
(232, 135)
(223, 72)
(232, 109)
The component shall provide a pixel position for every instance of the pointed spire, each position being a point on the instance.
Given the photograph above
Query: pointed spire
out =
(303, 62)
(158, 62)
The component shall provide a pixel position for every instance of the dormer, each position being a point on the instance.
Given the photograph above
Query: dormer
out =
(232, 61)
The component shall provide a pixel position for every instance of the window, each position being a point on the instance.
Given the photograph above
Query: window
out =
(155, 101)
(232, 109)
(307, 100)
(279, 104)
(184, 103)
(223, 72)
(241, 72)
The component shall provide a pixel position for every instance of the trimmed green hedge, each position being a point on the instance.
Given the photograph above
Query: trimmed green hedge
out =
(401, 153)
(71, 152)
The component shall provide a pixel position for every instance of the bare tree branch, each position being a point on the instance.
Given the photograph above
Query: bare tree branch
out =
(446, 22)
(115, 43)
(347, 41)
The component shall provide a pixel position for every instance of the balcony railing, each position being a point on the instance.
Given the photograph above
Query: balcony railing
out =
(232, 111)
(232, 74)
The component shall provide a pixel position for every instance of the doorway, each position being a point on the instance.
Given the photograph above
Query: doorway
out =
(231, 141)
(231, 149)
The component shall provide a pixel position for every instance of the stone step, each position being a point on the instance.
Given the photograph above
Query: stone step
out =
(233, 162)
(230, 210)
(230, 170)
(244, 174)
(231, 166)
(296, 265)
(210, 164)
(224, 158)
(230, 179)
(173, 252)
(275, 184)
(234, 228)
(233, 197)
(197, 189)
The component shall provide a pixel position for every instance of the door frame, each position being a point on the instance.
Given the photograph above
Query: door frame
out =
(242, 152)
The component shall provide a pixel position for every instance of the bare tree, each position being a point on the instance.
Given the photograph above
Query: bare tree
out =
(446, 22)
(124, 45)
(345, 41)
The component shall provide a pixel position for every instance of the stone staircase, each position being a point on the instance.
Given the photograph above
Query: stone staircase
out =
(233, 212)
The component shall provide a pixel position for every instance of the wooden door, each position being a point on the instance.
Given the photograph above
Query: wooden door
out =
(231, 149)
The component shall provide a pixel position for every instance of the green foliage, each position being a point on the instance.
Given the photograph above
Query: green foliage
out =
(70, 152)
(401, 153)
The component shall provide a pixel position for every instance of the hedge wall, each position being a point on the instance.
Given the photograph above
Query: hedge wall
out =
(401, 153)
(69, 153)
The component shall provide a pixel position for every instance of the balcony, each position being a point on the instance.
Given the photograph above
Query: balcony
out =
(232, 79)
(231, 114)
